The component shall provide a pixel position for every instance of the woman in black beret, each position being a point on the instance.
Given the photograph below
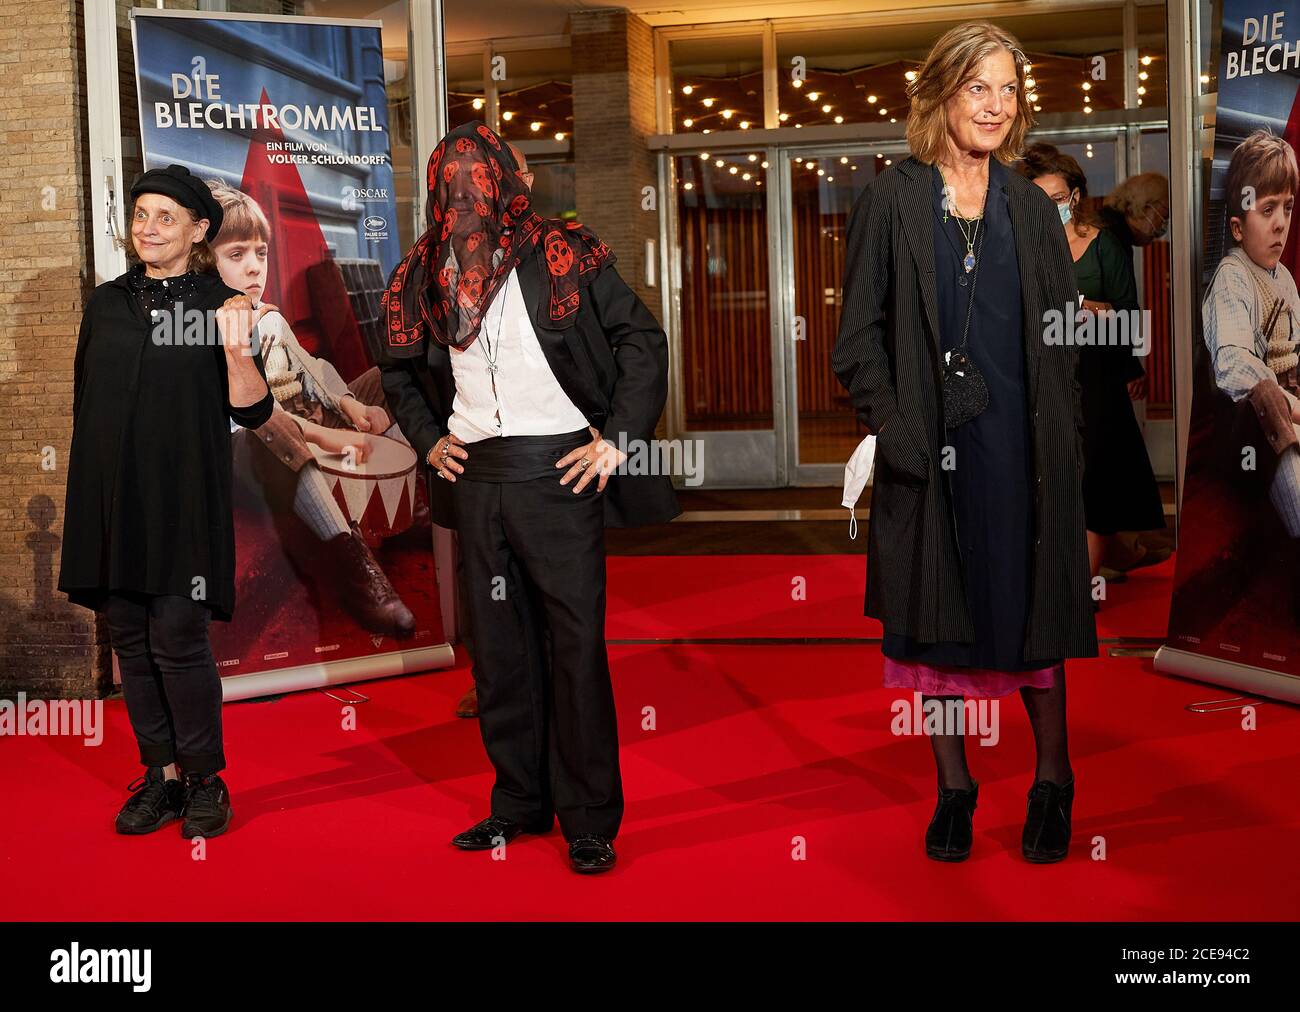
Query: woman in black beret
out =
(164, 363)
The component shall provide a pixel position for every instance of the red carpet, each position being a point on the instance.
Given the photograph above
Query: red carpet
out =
(709, 597)
(754, 746)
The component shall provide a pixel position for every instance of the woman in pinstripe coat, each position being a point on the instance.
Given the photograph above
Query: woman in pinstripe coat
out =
(977, 563)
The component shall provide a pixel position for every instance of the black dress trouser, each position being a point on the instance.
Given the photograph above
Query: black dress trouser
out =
(169, 679)
(533, 570)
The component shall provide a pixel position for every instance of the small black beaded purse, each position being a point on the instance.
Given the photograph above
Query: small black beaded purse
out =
(965, 393)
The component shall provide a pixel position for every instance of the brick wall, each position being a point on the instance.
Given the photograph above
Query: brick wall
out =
(47, 646)
(613, 113)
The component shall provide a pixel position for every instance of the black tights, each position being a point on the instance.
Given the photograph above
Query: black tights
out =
(1046, 709)
(169, 680)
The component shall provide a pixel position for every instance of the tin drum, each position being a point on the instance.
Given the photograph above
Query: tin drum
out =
(378, 492)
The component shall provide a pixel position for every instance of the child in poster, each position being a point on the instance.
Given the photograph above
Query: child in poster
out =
(313, 405)
(1251, 311)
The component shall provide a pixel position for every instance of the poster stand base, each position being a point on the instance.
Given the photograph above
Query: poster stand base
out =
(355, 669)
(1216, 671)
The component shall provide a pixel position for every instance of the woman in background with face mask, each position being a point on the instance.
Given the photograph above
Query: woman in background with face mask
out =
(1119, 487)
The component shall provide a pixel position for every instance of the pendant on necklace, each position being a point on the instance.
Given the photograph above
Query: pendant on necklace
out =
(492, 366)
(969, 262)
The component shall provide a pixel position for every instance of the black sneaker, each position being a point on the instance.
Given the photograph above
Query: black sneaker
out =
(154, 802)
(207, 806)
(1046, 838)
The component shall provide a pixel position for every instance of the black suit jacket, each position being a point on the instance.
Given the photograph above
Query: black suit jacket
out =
(887, 356)
(612, 363)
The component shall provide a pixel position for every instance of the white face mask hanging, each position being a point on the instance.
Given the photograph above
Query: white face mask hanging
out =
(857, 472)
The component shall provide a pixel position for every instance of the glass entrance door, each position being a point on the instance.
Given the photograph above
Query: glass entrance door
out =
(818, 189)
(729, 382)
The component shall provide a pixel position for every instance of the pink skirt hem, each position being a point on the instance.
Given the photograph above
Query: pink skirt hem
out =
(975, 683)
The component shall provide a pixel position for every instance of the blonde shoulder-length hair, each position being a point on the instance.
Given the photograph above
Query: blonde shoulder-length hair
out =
(952, 61)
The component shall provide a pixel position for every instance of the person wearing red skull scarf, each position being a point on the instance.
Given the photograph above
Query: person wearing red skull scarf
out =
(524, 370)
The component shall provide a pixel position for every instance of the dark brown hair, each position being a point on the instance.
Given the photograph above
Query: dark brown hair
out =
(1264, 162)
(1043, 159)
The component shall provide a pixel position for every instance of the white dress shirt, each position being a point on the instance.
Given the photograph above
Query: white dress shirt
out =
(527, 400)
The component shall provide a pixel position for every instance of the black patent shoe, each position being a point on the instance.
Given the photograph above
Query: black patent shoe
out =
(590, 854)
(952, 830)
(1046, 838)
(154, 802)
(492, 832)
(207, 807)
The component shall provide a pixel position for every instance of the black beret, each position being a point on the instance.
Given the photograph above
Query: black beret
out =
(187, 189)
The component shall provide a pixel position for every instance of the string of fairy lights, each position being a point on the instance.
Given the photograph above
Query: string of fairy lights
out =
(699, 106)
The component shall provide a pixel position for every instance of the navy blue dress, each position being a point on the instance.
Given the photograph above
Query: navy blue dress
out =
(991, 481)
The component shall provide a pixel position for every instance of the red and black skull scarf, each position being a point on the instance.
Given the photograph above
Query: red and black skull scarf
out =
(481, 225)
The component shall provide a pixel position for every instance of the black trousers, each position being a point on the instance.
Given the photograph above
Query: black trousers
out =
(169, 679)
(533, 571)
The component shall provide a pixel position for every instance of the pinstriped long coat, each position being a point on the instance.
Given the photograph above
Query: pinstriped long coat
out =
(887, 356)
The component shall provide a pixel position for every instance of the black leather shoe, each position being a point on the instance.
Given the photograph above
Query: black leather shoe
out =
(207, 807)
(590, 854)
(154, 802)
(952, 829)
(492, 831)
(1046, 838)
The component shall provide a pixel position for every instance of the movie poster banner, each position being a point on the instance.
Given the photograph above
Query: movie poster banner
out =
(1235, 614)
(287, 120)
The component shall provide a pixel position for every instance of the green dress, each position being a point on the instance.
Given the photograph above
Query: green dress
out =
(1119, 488)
